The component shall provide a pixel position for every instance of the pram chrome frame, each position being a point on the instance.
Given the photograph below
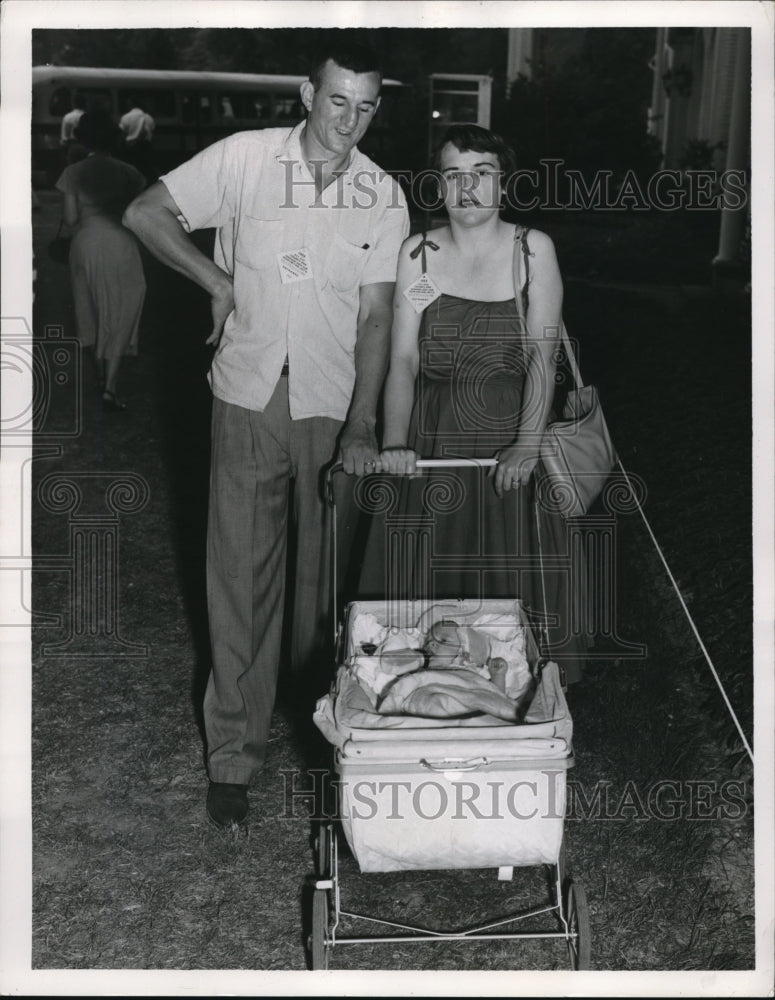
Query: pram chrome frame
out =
(570, 905)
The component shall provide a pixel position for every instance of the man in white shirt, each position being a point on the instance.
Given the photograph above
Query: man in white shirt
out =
(73, 150)
(69, 122)
(137, 126)
(308, 234)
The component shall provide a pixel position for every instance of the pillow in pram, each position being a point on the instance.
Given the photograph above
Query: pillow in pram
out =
(366, 629)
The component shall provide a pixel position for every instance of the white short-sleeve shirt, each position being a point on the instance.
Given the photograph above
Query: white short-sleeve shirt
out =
(256, 189)
(69, 123)
(136, 124)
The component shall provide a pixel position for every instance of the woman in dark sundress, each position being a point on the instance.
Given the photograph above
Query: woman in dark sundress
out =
(472, 375)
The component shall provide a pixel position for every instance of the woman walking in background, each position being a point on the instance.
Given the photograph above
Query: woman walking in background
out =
(106, 269)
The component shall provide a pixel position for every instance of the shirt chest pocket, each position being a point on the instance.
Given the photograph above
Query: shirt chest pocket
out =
(258, 242)
(346, 261)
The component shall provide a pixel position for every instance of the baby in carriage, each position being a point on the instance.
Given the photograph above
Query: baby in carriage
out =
(452, 670)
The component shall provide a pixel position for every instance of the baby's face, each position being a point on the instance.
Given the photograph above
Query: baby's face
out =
(444, 640)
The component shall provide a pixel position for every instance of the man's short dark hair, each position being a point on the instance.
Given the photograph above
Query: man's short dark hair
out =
(356, 57)
(474, 138)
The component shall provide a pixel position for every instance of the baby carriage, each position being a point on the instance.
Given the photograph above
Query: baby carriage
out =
(451, 738)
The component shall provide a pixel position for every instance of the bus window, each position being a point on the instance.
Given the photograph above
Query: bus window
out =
(242, 106)
(188, 105)
(94, 99)
(160, 103)
(195, 107)
(60, 103)
(287, 107)
(156, 103)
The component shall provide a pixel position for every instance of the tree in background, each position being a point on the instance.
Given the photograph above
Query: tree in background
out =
(589, 110)
(409, 53)
(125, 48)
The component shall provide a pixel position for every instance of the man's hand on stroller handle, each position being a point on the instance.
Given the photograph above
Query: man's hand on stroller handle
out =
(358, 450)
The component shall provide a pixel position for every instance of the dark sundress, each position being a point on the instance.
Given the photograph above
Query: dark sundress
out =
(447, 534)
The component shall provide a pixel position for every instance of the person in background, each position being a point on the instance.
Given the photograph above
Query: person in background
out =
(106, 269)
(138, 127)
(74, 150)
(308, 233)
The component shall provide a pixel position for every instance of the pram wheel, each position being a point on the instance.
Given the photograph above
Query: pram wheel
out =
(323, 850)
(562, 861)
(561, 868)
(318, 943)
(579, 946)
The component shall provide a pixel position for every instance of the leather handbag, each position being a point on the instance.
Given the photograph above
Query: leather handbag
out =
(576, 454)
(59, 247)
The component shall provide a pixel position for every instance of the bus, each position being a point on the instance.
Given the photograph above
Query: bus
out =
(191, 109)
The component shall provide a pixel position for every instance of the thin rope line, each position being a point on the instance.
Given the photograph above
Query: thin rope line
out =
(688, 614)
(544, 629)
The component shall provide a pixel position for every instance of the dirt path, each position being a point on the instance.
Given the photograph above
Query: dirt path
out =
(127, 873)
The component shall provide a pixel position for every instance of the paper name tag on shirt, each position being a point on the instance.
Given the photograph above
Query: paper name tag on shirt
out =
(422, 292)
(295, 265)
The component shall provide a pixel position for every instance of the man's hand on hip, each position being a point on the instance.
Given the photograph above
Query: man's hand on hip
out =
(222, 305)
(358, 450)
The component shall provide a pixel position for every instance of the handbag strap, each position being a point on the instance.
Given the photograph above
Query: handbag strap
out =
(522, 255)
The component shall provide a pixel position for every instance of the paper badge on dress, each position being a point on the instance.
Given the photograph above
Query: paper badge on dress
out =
(422, 292)
(295, 265)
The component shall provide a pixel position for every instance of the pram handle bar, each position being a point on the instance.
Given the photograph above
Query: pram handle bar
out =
(454, 463)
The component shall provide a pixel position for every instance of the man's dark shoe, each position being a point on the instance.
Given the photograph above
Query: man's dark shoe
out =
(227, 804)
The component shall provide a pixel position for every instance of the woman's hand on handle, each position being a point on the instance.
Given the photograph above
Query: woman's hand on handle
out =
(398, 461)
(514, 469)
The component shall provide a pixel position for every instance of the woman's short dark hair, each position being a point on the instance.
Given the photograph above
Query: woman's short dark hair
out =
(474, 138)
(346, 54)
(97, 130)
